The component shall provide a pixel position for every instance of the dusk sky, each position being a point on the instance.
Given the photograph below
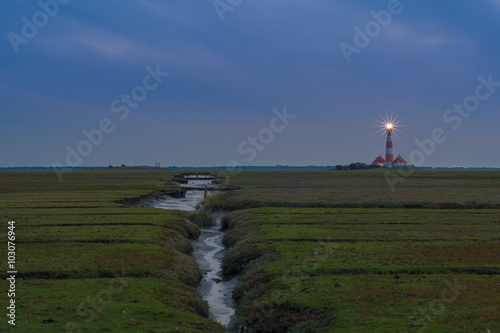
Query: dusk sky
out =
(328, 69)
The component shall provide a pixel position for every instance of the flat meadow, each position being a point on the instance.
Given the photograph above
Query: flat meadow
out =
(88, 263)
(340, 251)
(315, 251)
(366, 188)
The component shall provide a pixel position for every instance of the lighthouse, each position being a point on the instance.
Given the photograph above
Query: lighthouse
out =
(389, 161)
(389, 157)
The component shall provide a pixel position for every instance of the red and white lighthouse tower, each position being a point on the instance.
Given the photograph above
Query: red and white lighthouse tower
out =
(389, 156)
(389, 161)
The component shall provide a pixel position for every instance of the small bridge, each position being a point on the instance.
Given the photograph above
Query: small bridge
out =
(196, 176)
(210, 188)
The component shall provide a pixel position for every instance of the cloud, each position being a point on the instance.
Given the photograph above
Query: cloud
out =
(495, 3)
(424, 34)
(80, 40)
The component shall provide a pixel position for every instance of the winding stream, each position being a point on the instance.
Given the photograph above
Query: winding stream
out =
(208, 252)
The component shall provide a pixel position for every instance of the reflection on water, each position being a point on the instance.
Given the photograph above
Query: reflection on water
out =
(188, 203)
(200, 184)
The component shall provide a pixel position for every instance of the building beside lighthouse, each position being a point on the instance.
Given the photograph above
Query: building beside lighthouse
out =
(389, 160)
(379, 161)
(398, 162)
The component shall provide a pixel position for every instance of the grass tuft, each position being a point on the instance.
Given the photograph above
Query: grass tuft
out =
(202, 218)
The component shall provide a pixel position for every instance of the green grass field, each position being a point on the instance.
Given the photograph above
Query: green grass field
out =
(365, 188)
(318, 251)
(88, 263)
(412, 265)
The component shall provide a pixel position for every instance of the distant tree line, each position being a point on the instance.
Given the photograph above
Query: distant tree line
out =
(357, 166)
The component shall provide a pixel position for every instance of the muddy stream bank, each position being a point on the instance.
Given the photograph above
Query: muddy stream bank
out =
(208, 252)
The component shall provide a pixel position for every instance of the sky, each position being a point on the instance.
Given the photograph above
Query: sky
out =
(239, 82)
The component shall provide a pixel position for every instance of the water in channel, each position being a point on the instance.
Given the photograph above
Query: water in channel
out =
(208, 252)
